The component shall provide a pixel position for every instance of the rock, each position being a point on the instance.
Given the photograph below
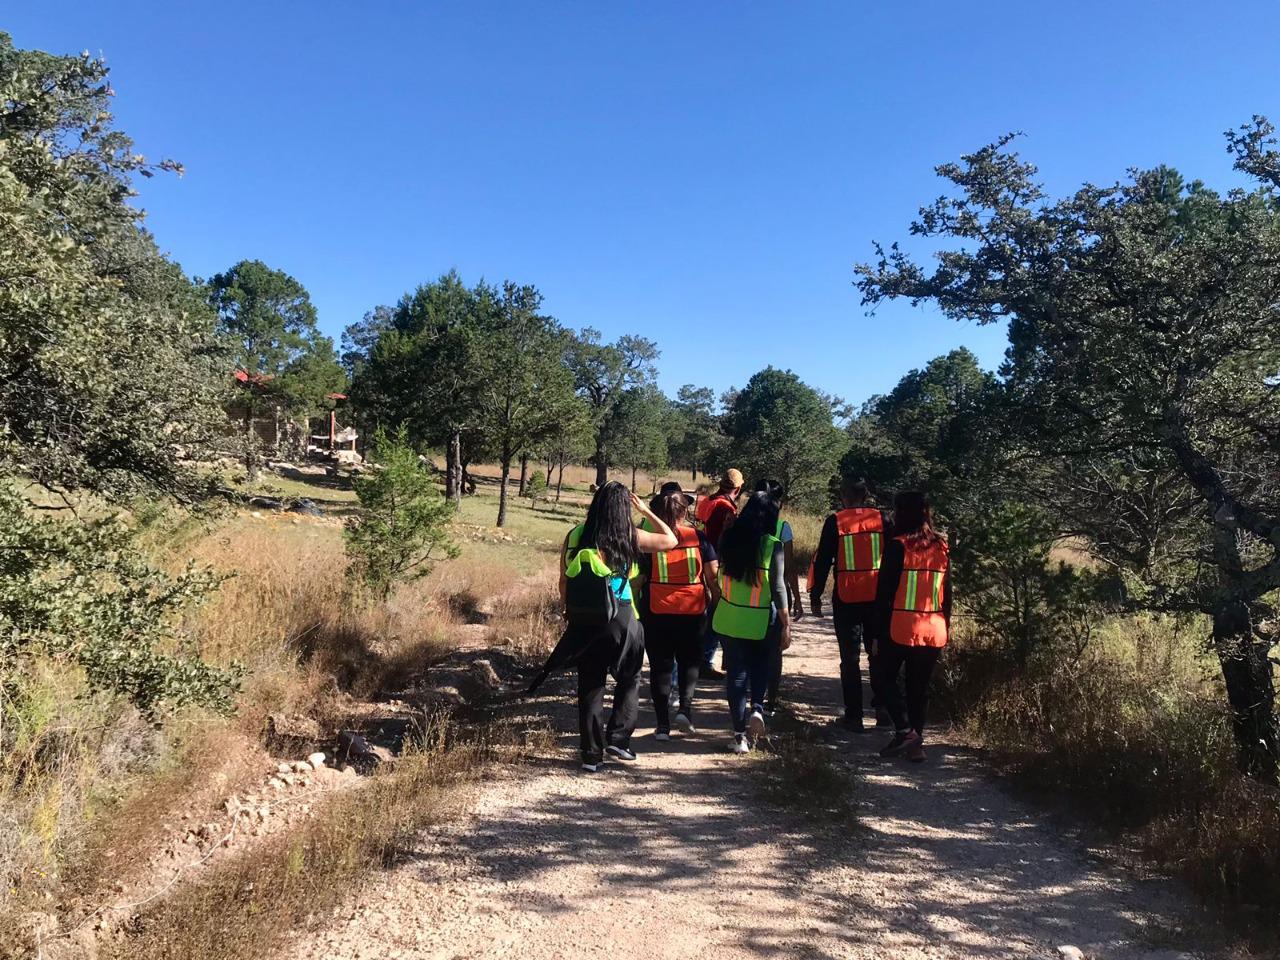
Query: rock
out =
(302, 766)
(483, 674)
(316, 760)
(283, 768)
(232, 805)
(306, 507)
(1068, 952)
(275, 783)
(286, 727)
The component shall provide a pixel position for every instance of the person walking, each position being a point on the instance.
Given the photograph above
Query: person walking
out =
(786, 536)
(717, 514)
(603, 635)
(680, 586)
(853, 541)
(913, 605)
(752, 596)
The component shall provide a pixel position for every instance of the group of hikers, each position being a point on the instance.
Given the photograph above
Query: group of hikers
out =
(685, 581)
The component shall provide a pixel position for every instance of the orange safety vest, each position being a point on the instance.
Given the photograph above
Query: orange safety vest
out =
(917, 619)
(675, 577)
(859, 544)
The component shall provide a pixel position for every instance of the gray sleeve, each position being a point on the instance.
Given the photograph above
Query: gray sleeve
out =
(777, 578)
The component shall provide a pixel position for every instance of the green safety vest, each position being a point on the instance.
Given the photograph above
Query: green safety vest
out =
(574, 559)
(743, 610)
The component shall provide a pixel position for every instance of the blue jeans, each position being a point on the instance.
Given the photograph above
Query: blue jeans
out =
(747, 667)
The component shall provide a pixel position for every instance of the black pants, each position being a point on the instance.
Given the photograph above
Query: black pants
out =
(618, 651)
(854, 625)
(919, 662)
(672, 639)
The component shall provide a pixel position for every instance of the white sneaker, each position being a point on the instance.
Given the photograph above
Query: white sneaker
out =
(684, 723)
(755, 724)
(739, 744)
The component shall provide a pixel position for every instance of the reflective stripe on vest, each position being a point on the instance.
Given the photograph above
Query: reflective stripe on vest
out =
(744, 608)
(917, 619)
(675, 579)
(860, 532)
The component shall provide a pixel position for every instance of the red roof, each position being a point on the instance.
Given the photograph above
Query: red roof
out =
(257, 379)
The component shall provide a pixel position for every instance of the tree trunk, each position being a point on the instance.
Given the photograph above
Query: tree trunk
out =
(451, 479)
(559, 481)
(277, 440)
(250, 446)
(602, 463)
(502, 488)
(633, 477)
(460, 468)
(693, 471)
(524, 473)
(1246, 670)
(1245, 660)
(551, 465)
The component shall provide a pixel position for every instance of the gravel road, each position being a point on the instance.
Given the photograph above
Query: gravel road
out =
(676, 856)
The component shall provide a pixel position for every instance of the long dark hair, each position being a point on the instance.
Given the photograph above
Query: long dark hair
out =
(608, 527)
(776, 491)
(671, 507)
(913, 518)
(740, 543)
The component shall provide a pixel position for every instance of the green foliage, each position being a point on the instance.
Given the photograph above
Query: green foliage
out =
(637, 430)
(268, 319)
(109, 369)
(536, 488)
(82, 592)
(603, 372)
(403, 522)
(695, 439)
(780, 428)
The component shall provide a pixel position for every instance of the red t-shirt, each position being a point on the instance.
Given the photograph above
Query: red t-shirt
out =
(720, 510)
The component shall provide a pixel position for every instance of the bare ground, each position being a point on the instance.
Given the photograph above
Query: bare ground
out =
(678, 855)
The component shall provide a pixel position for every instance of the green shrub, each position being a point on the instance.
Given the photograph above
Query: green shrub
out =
(82, 592)
(403, 520)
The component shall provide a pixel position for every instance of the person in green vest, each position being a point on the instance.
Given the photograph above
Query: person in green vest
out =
(753, 597)
(617, 647)
(785, 534)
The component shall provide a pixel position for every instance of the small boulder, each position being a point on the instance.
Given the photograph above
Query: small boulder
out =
(483, 674)
(1068, 952)
(316, 760)
(301, 766)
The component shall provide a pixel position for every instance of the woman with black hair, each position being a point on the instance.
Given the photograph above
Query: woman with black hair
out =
(609, 535)
(753, 597)
(679, 586)
(913, 612)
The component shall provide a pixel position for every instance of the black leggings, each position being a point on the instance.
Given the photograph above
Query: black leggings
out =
(672, 639)
(919, 663)
(620, 651)
(853, 623)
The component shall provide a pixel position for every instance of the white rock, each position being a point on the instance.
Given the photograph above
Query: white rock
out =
(284, 768)
(275, 783)
(1068, 952)
(316, 760)
(302, 766)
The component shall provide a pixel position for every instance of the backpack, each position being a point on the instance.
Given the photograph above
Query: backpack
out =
(590, 601)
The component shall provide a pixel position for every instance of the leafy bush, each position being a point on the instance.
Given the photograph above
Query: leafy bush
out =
(403, 521)
(82, 592)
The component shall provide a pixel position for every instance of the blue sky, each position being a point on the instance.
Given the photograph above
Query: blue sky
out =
(701, 173)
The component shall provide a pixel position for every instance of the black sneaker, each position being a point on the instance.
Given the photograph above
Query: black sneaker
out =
(620, 753)
(882, 718)
(852, 721)
(902, 741)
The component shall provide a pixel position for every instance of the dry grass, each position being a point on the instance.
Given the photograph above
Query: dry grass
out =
(1133, 731)
(88, 788)
(245, 908)
(803, 774)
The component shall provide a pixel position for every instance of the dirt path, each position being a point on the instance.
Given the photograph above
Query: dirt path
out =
(675, 856)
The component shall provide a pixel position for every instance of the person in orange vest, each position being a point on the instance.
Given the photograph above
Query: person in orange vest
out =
(913, 603)
(853, 541)
(679, 588)
(717, 514)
